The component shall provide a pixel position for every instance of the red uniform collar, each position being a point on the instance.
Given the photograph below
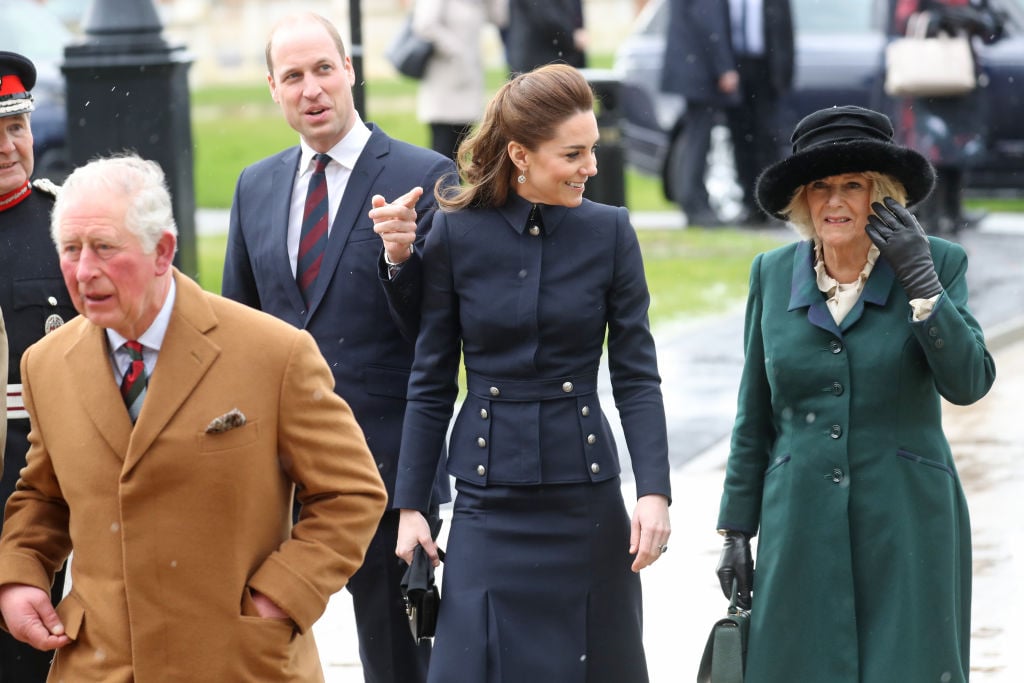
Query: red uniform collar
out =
(15, 197)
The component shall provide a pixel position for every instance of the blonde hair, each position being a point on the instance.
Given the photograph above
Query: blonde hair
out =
(527, 110)
(799, 214)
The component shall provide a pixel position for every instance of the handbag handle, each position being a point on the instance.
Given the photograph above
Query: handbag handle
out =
(733, 607)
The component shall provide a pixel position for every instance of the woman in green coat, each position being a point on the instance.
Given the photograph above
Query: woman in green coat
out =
(838, 460)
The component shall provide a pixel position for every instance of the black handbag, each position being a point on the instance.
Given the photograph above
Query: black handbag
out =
(725, 654)
(408, 52)
(422, 599)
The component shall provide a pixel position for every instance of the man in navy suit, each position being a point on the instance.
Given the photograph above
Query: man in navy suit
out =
(359, 301)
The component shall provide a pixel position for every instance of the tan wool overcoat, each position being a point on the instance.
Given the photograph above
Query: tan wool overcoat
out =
(172, 522)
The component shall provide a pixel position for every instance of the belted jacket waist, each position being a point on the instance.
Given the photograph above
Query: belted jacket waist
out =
(536, 431)
(530, 390)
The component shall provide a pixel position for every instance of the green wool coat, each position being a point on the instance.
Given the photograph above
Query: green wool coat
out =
(839, 462)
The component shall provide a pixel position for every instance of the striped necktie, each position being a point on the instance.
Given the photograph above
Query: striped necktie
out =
(133, 386)
(313, 236)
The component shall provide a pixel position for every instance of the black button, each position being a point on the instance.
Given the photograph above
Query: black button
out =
(835, 432)
(939, 343)
(933, 332)
(836, 346)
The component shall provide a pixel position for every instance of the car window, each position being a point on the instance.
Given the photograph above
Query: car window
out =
(834, 16)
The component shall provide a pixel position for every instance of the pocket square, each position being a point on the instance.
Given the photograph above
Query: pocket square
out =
(229, 420)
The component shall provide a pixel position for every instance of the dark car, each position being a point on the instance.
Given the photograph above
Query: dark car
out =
(32, 30)
(840, 47)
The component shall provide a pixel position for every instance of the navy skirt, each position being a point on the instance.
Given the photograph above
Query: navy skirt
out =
(537, 587)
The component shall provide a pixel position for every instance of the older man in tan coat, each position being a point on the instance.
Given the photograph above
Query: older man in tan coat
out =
(175, 492)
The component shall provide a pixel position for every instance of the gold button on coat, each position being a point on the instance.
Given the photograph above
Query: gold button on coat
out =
(534, 230)
(585, 411)
(567, 387)
(595, 468)
(591, 439)
(495, 391)
(483, 413)
(481, 442)
(481, 470)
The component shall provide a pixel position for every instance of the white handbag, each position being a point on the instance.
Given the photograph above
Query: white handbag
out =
(917, 66)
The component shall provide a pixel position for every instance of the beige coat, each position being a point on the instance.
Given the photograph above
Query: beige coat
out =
(452, 89)
(172, 525)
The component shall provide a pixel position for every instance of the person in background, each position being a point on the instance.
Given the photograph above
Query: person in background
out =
(734, 59)
(523, 280)
(302, 246)
(171, 430)
(853, 337)
(951, 132)
(544, 32)
(761, 33)
(450, 97)
(32, 296)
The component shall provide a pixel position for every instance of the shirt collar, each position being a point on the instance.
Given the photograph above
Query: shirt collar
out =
(346, 152)
(827, 283)
(153, 337)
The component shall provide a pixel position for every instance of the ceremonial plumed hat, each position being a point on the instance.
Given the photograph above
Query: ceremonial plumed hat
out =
(17, 78)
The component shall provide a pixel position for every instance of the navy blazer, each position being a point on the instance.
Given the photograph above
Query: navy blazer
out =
(529, 310)
(699, 49)
(364, 324)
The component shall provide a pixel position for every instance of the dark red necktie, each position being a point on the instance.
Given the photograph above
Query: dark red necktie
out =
(313, 236)
(133, 386)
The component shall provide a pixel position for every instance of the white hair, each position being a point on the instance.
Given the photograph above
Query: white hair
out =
(149, 213)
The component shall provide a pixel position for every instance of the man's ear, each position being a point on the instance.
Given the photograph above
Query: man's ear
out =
(165, 248)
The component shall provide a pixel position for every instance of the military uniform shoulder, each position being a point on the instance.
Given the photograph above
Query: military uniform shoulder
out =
(46, 185)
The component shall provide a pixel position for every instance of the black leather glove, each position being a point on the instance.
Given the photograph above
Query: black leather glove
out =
(903, 243)
(736, 563)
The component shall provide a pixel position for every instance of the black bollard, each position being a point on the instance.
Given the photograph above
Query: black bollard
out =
(609, 185)
(127, 89)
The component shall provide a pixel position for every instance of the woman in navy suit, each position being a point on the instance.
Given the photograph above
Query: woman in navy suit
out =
(527, 278)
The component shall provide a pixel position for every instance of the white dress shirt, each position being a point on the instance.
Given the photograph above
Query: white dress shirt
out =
(343, 159)
(152, 339)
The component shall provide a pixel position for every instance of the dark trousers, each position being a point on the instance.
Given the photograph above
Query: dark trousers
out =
(20, 662)
(689, 165)
(445, 138)
(752, 125)
(386, 647)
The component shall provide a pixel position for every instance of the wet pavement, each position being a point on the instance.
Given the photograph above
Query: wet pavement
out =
(700, 362)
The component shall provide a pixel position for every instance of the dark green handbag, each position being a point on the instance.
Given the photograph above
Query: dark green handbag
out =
(725, 655)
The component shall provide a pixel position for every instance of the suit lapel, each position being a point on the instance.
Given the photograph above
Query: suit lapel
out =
(876, 291)
(804, 292)
(185, 357)
(355, 204)
(92, 381)
(284, 177)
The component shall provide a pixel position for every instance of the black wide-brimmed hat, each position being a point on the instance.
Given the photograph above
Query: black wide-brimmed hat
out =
(841, 140)
(17, 78)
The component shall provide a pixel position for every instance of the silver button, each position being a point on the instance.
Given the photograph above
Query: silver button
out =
(595, 468)
(835, 431)
(51, 300)
(483, 413)
(481, 470)
(567, 387)
(591, 439)
(585, 411)
(481, 442)
(495, 392)
(534, 230)
(837, 475)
